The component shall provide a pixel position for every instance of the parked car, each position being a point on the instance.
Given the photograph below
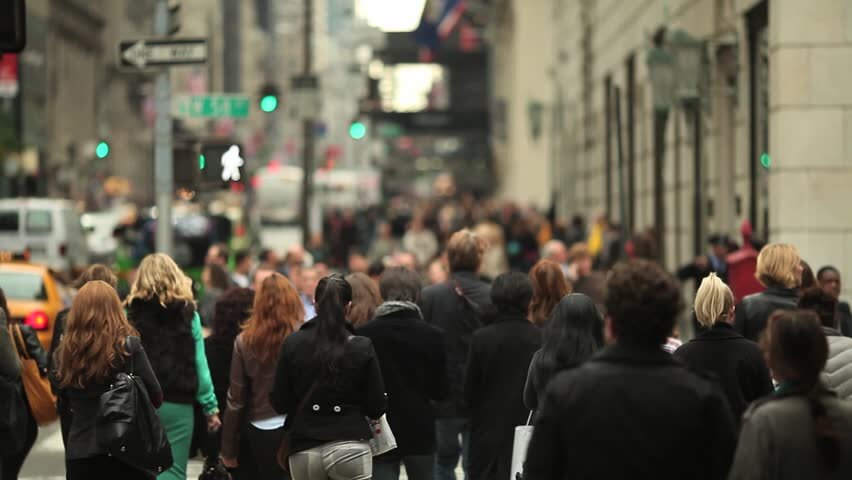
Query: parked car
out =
(34, 294)
(49, 229)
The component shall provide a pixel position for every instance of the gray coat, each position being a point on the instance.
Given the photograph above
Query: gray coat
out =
(838, 370)
(10, 366)
(777, 441)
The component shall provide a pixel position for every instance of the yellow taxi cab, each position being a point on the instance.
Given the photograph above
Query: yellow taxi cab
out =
(34, 295)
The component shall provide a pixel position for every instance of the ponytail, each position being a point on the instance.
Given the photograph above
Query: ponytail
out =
(713, 301)
(827, 437)
(333, 295)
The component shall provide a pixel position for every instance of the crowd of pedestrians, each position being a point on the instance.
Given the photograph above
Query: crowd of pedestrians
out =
(288, 366)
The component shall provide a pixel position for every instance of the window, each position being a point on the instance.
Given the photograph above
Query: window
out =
(23, 286)
(39, 221)
(9, 221)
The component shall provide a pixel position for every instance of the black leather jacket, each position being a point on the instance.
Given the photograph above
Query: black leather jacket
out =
(755, 310)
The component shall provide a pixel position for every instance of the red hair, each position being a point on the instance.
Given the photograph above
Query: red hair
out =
(277, 313)
(549, 286)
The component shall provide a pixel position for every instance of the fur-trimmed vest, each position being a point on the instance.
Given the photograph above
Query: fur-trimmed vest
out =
(166, 334)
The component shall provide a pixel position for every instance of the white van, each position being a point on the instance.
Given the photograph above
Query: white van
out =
(48, 228)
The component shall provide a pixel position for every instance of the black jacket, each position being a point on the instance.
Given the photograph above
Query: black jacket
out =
(338, 404)
(84, 405)
(736, 361)
(219, 351)
(844, 318)
(631, 412)
(500, 356)
(413, 363)
(755, 310)
(166, 334)
(443, 307)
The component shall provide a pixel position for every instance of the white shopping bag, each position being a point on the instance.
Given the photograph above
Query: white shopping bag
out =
(523, 434)
(383, 440)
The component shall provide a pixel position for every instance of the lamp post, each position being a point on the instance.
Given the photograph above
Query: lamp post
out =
(662, 77)
(676, 69)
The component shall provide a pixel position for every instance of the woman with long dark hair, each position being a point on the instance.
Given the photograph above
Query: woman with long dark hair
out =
(572, 335)
(803, 430)
(328, 382)
(549, 286)
(97, 344)
(277, 313)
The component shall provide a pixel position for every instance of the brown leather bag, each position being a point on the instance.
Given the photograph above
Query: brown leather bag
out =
(41, 400)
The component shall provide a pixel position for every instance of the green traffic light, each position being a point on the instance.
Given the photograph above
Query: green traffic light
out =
(269, 103)
(102, 150)
(202, 162)
(766, 160)
(357, 130)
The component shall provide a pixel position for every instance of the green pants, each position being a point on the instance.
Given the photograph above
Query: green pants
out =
(178, 421)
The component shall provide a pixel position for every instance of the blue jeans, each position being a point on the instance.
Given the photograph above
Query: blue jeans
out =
(417, 467)
(449, 446)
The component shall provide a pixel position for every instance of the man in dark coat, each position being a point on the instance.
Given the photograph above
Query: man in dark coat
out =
(500, 356)
(458, 307)
(633, 411)
(413, 362)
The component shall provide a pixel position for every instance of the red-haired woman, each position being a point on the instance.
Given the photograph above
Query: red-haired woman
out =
(549, 286)
(278, 312)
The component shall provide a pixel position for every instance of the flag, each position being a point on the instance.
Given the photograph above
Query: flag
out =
(451, 14)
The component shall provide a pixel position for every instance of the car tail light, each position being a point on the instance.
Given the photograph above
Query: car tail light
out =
(63, 249)
(37, 320)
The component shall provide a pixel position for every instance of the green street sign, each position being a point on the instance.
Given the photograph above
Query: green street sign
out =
(211, 106)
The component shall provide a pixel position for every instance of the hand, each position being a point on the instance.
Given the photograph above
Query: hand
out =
(213, 423)
(230, 462)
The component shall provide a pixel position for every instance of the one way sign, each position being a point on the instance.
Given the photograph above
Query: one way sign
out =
(145, 53)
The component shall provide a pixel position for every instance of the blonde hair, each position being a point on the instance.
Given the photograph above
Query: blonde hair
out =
(159, 278)
(713, 301)
(777, 264)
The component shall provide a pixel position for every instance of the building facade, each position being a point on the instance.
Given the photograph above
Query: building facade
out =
(767, 139)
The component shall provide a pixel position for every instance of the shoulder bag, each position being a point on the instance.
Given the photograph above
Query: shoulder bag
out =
(40, 397)
(127, 425)
(523, 434)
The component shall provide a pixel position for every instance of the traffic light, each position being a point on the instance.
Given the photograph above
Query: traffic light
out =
(184, 155)
(221, 164)
(13, 35)
(766, 160)
(357, 130)
(269, 98)
(102, 149)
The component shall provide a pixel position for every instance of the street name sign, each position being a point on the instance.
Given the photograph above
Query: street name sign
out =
(211, 106)
(161, 52)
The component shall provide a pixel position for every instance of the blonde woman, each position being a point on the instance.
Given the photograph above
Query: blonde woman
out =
(779, 269)
(161, 307)
(736, 361)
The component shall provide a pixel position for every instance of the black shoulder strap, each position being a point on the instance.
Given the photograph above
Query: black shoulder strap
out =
(128, 344)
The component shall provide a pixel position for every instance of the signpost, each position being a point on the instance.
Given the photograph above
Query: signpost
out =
(211, 106)
(161, 52)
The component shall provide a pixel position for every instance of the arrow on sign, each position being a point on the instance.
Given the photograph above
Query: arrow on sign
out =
(159, 52)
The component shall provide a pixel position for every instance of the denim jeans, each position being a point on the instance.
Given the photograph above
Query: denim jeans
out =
(417, 467)
(452, 439)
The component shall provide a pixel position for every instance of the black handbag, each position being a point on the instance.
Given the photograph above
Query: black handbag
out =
(127, 425)
(214, 470)
(13, 416)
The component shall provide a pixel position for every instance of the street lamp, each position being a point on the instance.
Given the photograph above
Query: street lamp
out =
(661, 74)
(688, 53)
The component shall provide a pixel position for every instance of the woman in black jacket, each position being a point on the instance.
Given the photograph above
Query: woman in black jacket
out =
(572, 335)
(98, 343)
(736, 361)
(779, 269)
(414, 363)
(328, 382)
(500, 356)
(233, 308)
(13, 461)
